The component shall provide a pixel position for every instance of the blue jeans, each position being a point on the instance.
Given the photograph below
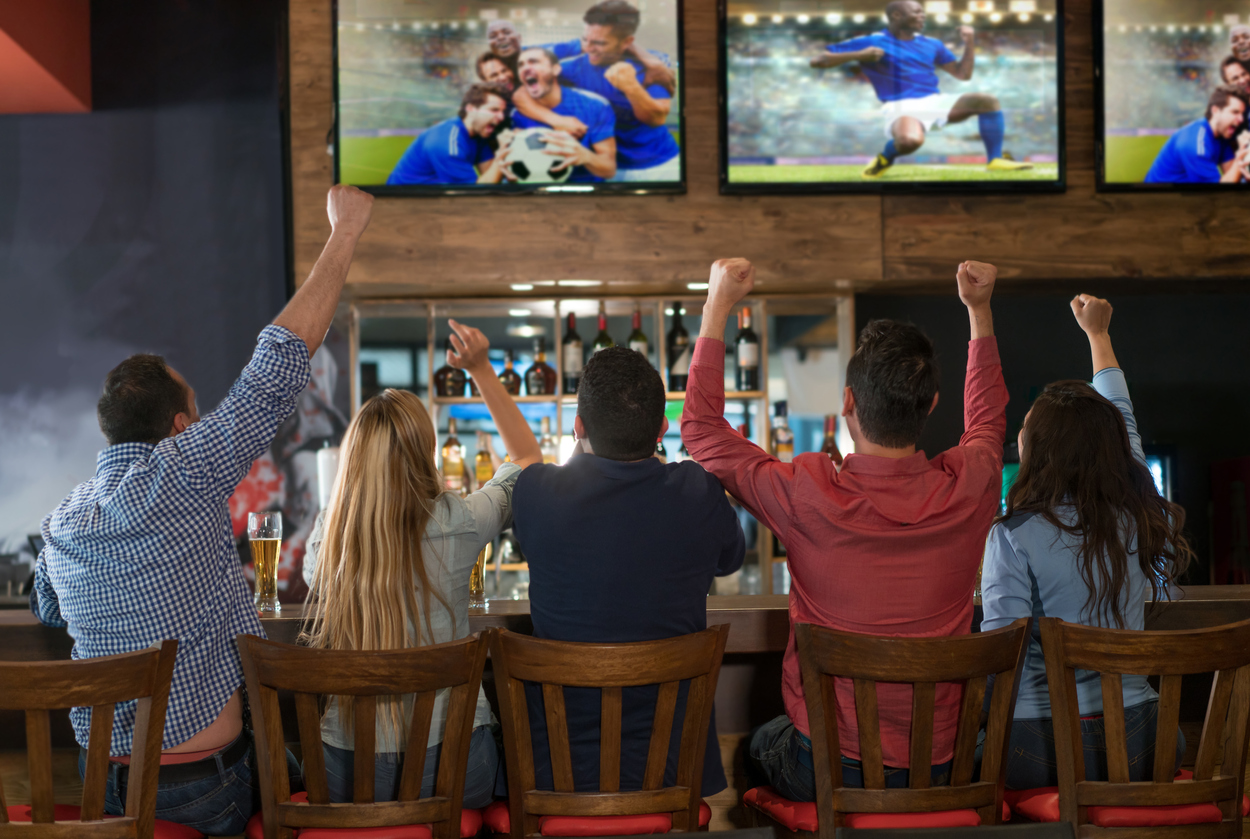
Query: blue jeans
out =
(779, 755)
(479, 779)
(1031, 757)
(217, 804)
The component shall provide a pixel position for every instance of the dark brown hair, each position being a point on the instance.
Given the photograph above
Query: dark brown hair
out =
(140, 400)
(478, 93)
(623, 17)
(1225, 64)
(621, 402)
(1221, 96)
(1076, 453)
(894, 377)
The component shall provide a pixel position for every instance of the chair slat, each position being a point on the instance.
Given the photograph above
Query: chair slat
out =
(364, 744)
(558, 738)
(1211, 741)
(1169, 719)
(95, 779)
(966, 734)
(869, 734)
(1113, 720)
(419, 724)
(39, 763)
(1235, 733)
(308, 723)
(661, 733)
(610, 740)
(921, 758)
(1094, 793)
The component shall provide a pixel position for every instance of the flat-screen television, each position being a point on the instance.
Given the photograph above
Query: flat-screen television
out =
(870, 95)
(1173, 93)
(489, 96)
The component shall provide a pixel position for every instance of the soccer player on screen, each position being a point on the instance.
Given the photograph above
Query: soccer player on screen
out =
(902, 65)
(1200, 153)
(458, 151)
(492, 69)
(594, 155)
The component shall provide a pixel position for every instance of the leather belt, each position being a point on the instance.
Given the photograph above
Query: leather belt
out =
(178, 773)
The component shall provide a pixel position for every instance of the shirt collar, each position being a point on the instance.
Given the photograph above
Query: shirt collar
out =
(615, 468)
(122, 454)
(866, 464)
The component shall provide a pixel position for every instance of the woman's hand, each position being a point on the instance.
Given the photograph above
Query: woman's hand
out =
(469, 349)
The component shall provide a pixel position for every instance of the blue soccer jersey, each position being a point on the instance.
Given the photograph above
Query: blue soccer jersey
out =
(638, 146)
(443, 154)
(1190, 156)
(907, 70)
(594, 112)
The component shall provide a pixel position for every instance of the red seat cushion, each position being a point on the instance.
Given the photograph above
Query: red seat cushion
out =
(801, 815)
(470, 825)
(1036, 805)
(71, 813)
(938, 818)
(498, 820)
(792, 815)
(1042, 805)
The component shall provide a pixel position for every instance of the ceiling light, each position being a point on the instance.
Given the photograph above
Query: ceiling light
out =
(749, 20)
(834, 18)
(996, 18)
(803, 19)
(519, 313)
(966, 17)
(778, 19)
(943, 18)
(522, 287)
(525, 331)
(579, 283)
(697, 286)
(859, 18)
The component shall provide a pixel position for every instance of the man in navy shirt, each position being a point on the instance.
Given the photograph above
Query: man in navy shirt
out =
(457, 151)
(594, 156)
(621, 548)
(1199, 152)
(902, 65)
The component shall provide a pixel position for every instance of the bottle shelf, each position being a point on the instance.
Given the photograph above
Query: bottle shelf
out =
(477, 400)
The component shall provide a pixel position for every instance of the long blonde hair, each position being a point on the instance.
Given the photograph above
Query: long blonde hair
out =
(363, 595)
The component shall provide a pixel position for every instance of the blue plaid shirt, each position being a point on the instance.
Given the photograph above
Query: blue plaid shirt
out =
(144, 551)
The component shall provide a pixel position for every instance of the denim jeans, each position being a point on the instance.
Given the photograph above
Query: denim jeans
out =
(1031, 757)
(479, 779)
(780, 756)
(217, 804)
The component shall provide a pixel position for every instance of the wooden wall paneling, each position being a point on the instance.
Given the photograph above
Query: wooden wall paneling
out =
(1075, 235)
(478, 246)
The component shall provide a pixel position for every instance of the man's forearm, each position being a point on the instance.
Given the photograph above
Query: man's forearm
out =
(966, 63)
(647, 110)
(834, 59)
(713, 324)
(601, 165)
(980, 322)
(311, 310)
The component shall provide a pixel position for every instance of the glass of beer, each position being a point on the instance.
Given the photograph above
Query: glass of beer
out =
(477, 579)
(264, 534)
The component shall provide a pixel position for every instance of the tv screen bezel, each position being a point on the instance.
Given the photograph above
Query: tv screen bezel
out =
(1059, 185)
(602, 188)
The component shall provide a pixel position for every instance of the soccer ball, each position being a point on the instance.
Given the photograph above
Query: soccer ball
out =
(528, 160)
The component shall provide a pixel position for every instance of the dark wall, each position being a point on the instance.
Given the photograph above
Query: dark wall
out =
(156, 223)
(1186, 358)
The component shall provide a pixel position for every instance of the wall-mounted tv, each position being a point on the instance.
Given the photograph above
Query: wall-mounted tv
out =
(870, 95)
(1173, 93)
(490, 96)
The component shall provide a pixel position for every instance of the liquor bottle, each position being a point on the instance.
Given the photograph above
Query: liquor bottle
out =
(660, 451)
(679, 352)
(510, 378)
(830, 445)
(603, 340)
(540, 379)
(747, 353)
(782, 436)
(683, 453)
(483, 467)
(572, 356)
(454, 468)
(638, 339)
(448, 380)
(547, 443)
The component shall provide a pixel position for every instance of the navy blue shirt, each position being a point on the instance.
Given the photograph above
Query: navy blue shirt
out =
(1190, 156)
(907, 70)
(638, 145)
(621, 552)
(442, 154)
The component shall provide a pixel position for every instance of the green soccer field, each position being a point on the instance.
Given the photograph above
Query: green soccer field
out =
(898, 173)
(369, 160)
(1130, 158)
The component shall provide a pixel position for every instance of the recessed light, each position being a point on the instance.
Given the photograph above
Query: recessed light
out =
(697, 286)
(778, 18)
(859, 18)
(749, 20)
(579, 283)
(522, 287)
(519, 313)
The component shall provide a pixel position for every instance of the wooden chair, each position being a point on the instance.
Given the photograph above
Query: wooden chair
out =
(826, 654)
(270, 667)
(99, 683)
(1209, 804)
(554, 665)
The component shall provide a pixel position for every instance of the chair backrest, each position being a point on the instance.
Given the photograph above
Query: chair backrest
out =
(270, 667)
(1224, 650)
(554, 665)
(99, 683)
(827, 654)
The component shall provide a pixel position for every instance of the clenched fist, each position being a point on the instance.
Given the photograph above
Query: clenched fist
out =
(349, 209)
(976, 283)
(1093, 314)
(967, 34)
(730, 281)
(621, 75)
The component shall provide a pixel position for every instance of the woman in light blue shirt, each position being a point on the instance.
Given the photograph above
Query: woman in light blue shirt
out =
(1085, 537)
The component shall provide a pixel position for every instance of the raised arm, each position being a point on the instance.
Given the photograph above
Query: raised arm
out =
(654, 70)
(985, 392)
(311, 310)
(599, 161)
(1093, 314)
(527, 105)
(650, 109)
(962, 69)
(468, 352)
(867, 55)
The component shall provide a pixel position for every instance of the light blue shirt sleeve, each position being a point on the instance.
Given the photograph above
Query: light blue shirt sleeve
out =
(1110, 383)
(1006, 589)
(44, 602)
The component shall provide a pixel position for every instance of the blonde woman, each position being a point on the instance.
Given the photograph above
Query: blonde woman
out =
(389, 560)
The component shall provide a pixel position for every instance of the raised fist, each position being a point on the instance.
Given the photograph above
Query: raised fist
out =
(967, 34)
(468, 347)
(976, 282)
(621, 75)
(349, 209)
(1093, 314)
(730, 281)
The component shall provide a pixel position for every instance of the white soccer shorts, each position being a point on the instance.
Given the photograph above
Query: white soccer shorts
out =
(932, 111)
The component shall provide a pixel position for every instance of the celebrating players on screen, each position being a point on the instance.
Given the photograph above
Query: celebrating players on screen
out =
(1234, 73)
(1203, 152)
(594, 156)
(900, 62)
(494, 70)
(457, 151)
(1239, 41)
(645, 149)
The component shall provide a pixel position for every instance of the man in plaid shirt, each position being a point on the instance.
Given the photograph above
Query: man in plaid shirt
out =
(144, 550)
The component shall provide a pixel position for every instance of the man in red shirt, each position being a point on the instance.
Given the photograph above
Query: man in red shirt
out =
(888, 544)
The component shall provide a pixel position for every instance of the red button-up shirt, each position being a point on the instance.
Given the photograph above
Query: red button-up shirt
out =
(884, 547)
